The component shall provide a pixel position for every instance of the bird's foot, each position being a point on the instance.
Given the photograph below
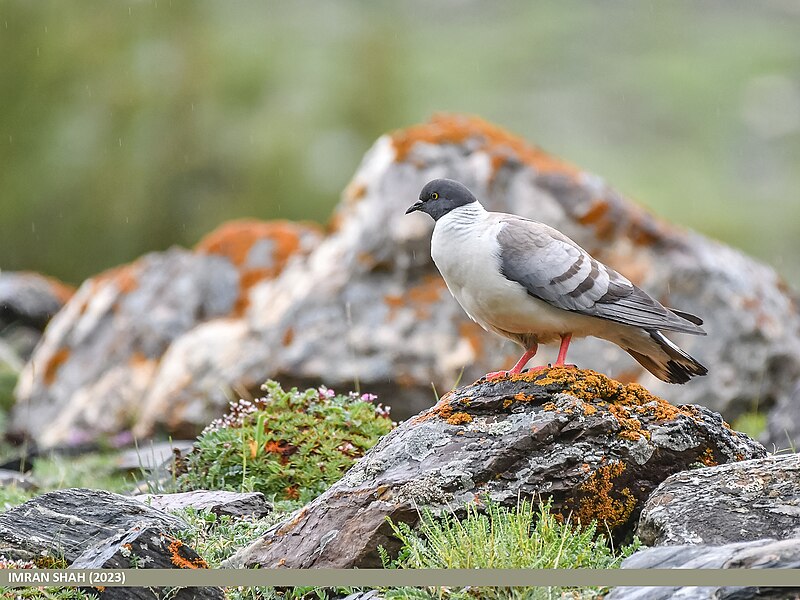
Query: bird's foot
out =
(499, 374)
(496, 375)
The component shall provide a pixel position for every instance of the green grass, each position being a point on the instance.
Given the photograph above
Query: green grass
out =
(97, 471)
(496, 537)
(290, 445)
(753, 423)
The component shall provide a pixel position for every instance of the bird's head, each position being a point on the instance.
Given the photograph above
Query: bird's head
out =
(440, 196)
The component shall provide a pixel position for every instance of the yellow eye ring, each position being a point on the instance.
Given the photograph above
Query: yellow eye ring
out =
(434, 196)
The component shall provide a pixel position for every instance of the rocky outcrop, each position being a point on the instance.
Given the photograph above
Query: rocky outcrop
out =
(93, 529)
(761, 554)
(596, 446)
(728, 503)
(367, 304)
(104, 353)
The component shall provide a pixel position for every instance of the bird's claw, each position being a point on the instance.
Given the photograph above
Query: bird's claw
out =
(496, 375)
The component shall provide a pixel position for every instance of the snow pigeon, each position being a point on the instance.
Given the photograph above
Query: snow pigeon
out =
(532, 284)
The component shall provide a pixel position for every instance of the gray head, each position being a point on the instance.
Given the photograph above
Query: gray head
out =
(440, 196)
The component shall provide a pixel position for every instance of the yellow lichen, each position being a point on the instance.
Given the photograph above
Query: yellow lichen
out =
(459, 418)
(597, 501)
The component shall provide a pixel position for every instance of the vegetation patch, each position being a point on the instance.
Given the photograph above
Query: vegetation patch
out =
(289, 445)
(496, 537)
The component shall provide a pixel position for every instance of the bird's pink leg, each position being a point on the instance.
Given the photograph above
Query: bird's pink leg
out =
(517, 368)
(562, 351)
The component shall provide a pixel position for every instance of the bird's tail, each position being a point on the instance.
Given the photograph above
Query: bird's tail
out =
(665, 360)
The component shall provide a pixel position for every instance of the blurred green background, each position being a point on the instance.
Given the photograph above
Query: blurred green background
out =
(129, 126)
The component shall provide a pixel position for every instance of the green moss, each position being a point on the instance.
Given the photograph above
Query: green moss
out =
(290, 445)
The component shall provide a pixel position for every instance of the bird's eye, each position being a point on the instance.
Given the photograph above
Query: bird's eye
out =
(434, 196)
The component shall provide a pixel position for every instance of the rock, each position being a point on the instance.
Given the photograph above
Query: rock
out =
(235, 504)
(94, 529)
(27, 303)
(102, 354)
(599, 448)
(365, 303)
(783, 426)
(728, 503)
(369, 305)
(9, 478)
(761, 554)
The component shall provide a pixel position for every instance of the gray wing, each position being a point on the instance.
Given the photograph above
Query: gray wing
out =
(553, 268)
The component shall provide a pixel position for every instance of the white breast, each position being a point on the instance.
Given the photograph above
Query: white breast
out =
(465, 250)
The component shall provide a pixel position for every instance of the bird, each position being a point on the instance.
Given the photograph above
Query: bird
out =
(530, 283)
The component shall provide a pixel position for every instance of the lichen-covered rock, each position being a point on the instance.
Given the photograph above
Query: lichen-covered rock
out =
(94, 529)
(761, 554)
(368, 305)
(106, 353)
(724, 504)
(596, 446)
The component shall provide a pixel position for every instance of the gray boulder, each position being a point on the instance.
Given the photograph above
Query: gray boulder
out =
(94, 529)
(102, 355)
(727, 503)
(761, 554)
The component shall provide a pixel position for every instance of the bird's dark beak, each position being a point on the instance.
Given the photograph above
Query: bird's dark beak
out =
(414, 207)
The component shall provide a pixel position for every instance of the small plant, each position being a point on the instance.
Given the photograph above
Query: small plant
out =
(499, 538)
(290, 445)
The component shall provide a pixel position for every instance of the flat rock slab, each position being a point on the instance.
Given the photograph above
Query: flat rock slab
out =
(728, 503)
(598, 447)
(760, 554)
(236, 504)
(93, 529)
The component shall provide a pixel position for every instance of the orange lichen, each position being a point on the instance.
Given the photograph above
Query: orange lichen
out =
(176, 549)
(610, 215)
(707, 458)
(420, 296)
(124, 277)
(235, 239)
(54, 364)
(459, 418)
(294, 522)
(60, 290)
(499, 144)
(599, 501)
(626, 402)
(473, 333)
